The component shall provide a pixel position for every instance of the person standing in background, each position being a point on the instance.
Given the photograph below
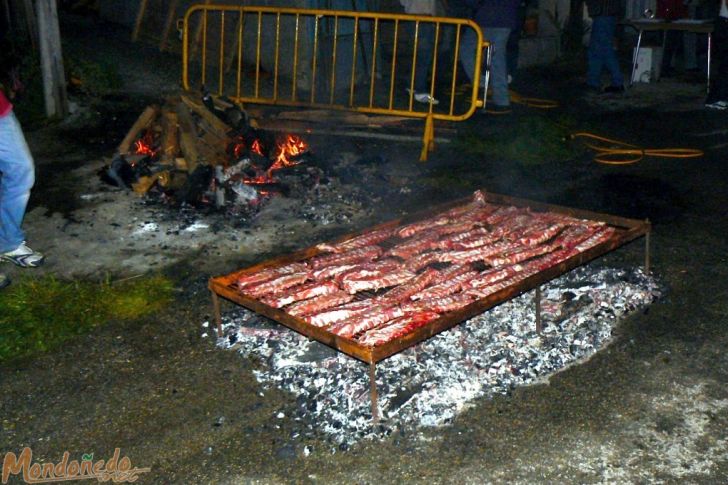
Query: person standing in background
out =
(671, 10)
(497, 18)
(17, 176)
(718, 95)
(514, 39)
(601, 53)
(425, 49)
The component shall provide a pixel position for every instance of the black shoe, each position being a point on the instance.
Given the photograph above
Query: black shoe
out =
(614, 89)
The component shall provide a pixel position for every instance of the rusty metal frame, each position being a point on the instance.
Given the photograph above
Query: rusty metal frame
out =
(626, 230)
(220, 57)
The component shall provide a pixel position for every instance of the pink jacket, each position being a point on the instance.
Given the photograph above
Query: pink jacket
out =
(5, 106)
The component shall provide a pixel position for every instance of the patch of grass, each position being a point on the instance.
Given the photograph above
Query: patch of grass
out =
(534, 140)
(37, 315)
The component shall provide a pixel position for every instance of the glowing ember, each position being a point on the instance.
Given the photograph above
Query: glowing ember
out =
(144, 145)
(256, 147)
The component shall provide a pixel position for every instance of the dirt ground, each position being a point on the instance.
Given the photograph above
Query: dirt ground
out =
(651, 408)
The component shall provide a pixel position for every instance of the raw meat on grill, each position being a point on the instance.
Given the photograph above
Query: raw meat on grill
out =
(493, 275)
(418, 283)
(298, 293)
(336, 314)
(354, 256)
(410, 248)
(455, 228)
(376, 282)
(411, 229)
(369, 269)
(319, 303)
(521, 254)
(572, 236)
(452, 271)
(332, 271)
(366, 239)
(503, 214)
(420, 261)
(268, 274)
(601, 236)
(377, 316)
(446, 287)
(398, 327)
(532, 238)
(476, 241)
(277, 284)
(477, 254)
(439, 305)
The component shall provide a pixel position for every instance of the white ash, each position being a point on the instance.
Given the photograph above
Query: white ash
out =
(429, 384)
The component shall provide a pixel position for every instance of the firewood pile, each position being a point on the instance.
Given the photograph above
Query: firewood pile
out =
(203, 149)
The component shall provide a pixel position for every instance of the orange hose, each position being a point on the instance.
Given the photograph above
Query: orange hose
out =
(615, 152)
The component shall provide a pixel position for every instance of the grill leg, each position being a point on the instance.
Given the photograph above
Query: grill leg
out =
(373, 391)
(537, 301)
(647, 252)
(216, 312)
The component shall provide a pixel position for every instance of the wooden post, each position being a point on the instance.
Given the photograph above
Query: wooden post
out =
(171, 13)
(187, 137)
(51, 59)
(138, 23)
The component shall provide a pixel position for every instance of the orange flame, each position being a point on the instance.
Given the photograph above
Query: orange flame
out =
(292, 146)
(256, 147)
(143, 146)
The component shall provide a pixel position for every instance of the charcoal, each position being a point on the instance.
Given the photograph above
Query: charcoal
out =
(429, 384)
(119, 173)
(198, 183)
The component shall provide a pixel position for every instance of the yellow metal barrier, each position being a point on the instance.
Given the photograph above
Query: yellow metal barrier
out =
(332, 59)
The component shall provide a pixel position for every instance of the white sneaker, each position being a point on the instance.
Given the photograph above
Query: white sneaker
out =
(425, 98)
(23, 256)
(717, 105)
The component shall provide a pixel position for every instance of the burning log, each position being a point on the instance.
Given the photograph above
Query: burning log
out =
(143, 122)
(169, 140)
(192, 154)
(215, 124)
(187, 137)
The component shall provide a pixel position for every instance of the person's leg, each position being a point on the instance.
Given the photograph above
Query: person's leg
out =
(596, 51)
(18, 176)
(425, 49)
(610, 54)
(468, 45)
(498, 69)
(513, 46)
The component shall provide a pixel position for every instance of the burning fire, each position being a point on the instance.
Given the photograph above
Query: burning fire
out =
(285, 152)
(143, 145)
(292, 146)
